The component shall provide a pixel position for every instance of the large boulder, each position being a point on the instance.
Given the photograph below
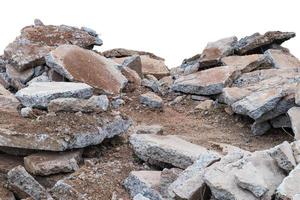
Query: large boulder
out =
(40, 94)
(161, 150)
(77, 64)
(207, 82)
(35, 42)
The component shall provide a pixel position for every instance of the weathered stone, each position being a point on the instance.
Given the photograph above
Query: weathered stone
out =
(282, 121)
(205, 105)
(23, 77)
(134, 80)
(117, 103)
(54, 76)
(257, 43)
(41, 78)
(151, 82)
(207, 82)
(151, 100)
(248, 63)
(230, 95)
(168, 176)
(165, 84)
(154, 67)
(149, 129)
(296, 150)
(8, 102)
(46, 163)
(27, 112)
(177, 100)
(281, 59)
(38, 22)
(140, 197)
(121, 52)
(105, 126)
(93, 104)
(258, 103)
(134, 63)
(63, 190)
(168, 149)
(283, 154)
(214, 51)
(260, 128)
(290, 186)
(77, 64)
(40, 94)
(24, 185)
(145, 183)
(294, 114)
(35, 42)
(190, 184)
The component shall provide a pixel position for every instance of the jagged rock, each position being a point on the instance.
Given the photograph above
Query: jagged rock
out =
(145, 183)
(190, 183)
(8, 102)
(230, 95)
(260, 128)
(214, 51)
(24, 185)
(168, 176)
(46, 163)
(149, 129)
(27, 112)
(281, 59)
(134, 63)
(93, 104)
(134, 80)
(290, 186)
(151, 100)
(158, 149)
(205, 105)
(257, 43)
(40, 94)
(282, 121)
(140, 197)
(68, 60)
(62, 190)
(283, 154)
(120, 52)
(154, 67)
(105, 126)
(207, 82)
(35, 42)
(117, 103)
(294, 114)
(248, 63)
(38, 22)
(258, 103)
(296, 150)
(151, 82)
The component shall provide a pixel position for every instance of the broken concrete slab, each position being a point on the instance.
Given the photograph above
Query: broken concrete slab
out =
(257, 43)
(281, 59)
(145, 183)
(24, 185)
(294, 114)
(214, 51)
(170, 149)
(151, 100)
(290, 185)
(154, 67)
(46, 163)
(40, 94)
(78, 64)
(207, 82)
(93, 104)
(8, 102)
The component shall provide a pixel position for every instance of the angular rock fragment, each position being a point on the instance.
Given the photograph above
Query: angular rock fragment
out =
(93, 104)
(165, 84)
(151, 100)
(160, 150)
(121, 52)
(154, 67)
(230, 95)
(294, 114)
(282, 121)
(8, 102)
(168, 176)
(290, 186)
(149, 129)
(260, 128)
(46, 163)
(134, 80)
(24, 185)
(207, 82)
(214, 51)
(40, 94)
(281, 59)
(62, 190)
(145, 183)
(297, 95)
(205, 105)
(27, 112)
(77, 64)
(18, 79)
(42, 78)
(151, 82)
(134, 63)
(257, 43)
(248, 63)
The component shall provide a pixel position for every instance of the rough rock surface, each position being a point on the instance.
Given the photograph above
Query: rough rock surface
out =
(168, 176)
(47, 163)
(151, 100)
(8, 102)
(134, 63)
(121, 52)
(41, 93)
(154, 67)
(157, 149)
(281, 59)
(77, 64)
(294, 114)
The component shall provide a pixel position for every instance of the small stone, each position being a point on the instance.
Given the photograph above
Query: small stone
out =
(151, 82)
(117, 103)
(152, 100)
(149, 129)
(205, 105)
(177, 100)
(260, 128)
(27, 112)
(199, 98)
(38, 22)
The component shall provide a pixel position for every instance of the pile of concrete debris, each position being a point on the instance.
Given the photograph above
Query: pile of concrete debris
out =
(58, 97)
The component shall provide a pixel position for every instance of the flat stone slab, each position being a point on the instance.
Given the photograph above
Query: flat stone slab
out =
(281, 59)
(170, 149)
(39, 94)
(206, 82)
(154, 67)
(78, 64)
(54, 133)
(46, 163)
(294, 114)
(151, 100)
(8, 102)
(121, 53)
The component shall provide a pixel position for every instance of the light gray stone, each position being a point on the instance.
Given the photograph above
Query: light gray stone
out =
(170, 149)
(294, 114)
(27, 112)
(296, 150)
(140, 197)
(39, 94)
(151, 100)
(117, 103)
(151, 82)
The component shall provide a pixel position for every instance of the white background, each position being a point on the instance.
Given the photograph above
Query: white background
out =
(171, 29)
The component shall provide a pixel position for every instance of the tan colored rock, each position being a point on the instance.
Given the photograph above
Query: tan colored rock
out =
(46, 163)
(151, 100)
(77, 64)
(281, 59)
(8, 102)
(205, 105)
(134, 63)
(134, 80)
(294, 114)
(154, 67)
(230, 95)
